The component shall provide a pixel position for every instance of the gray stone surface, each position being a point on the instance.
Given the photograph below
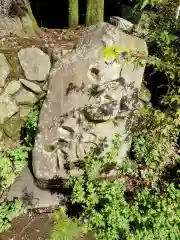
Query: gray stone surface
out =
(25, 189)
(121, 23)
(13, 87)
(32, 86)
(8, 107)
(25, 97)
(35, 63)
(84, 99)
(4, 69)
(65, 51)
(58, 51)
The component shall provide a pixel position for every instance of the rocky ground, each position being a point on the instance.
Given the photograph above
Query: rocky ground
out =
(37, 226)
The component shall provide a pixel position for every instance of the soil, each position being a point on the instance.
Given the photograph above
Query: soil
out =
(37, 226)
(33, 226)
(48, 38)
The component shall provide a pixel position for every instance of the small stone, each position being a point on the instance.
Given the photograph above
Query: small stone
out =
(13, 87)
(35, 63)
(12, 127)
(8, 107)
(32, 86)
(26, 97)
(4, 69)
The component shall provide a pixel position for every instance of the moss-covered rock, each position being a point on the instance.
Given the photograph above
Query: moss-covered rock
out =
(12, 59)
(13, 87)
(12, 127)
(8, 107)
(24, 111)
(145, 94)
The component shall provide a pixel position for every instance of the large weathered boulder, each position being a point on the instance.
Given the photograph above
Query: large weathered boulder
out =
(88, 101)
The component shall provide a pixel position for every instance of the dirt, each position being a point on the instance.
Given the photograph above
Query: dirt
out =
(48, 38)
(30, 227)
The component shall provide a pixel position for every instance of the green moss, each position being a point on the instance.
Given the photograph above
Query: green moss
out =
(49, 148)
(145, 94)
(30, 26)
(12, 58)
(36, 28)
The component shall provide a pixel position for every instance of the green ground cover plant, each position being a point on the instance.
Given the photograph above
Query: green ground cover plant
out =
(12, 162)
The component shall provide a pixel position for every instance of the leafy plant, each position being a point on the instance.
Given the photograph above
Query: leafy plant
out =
(156, 216)
(154, 134)
(110, 214)
(162, 36)
(65, 228)
(18, 157)
(125, 55)
(150, 153)
(7, 176)
(103, 202)
(143, 3)
(8, 211)
(31, 125)
(12, 161)
(110, 52)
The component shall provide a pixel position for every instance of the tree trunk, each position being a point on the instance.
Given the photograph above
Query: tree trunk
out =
(16, 17)
(94, 12)
(73, 13)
